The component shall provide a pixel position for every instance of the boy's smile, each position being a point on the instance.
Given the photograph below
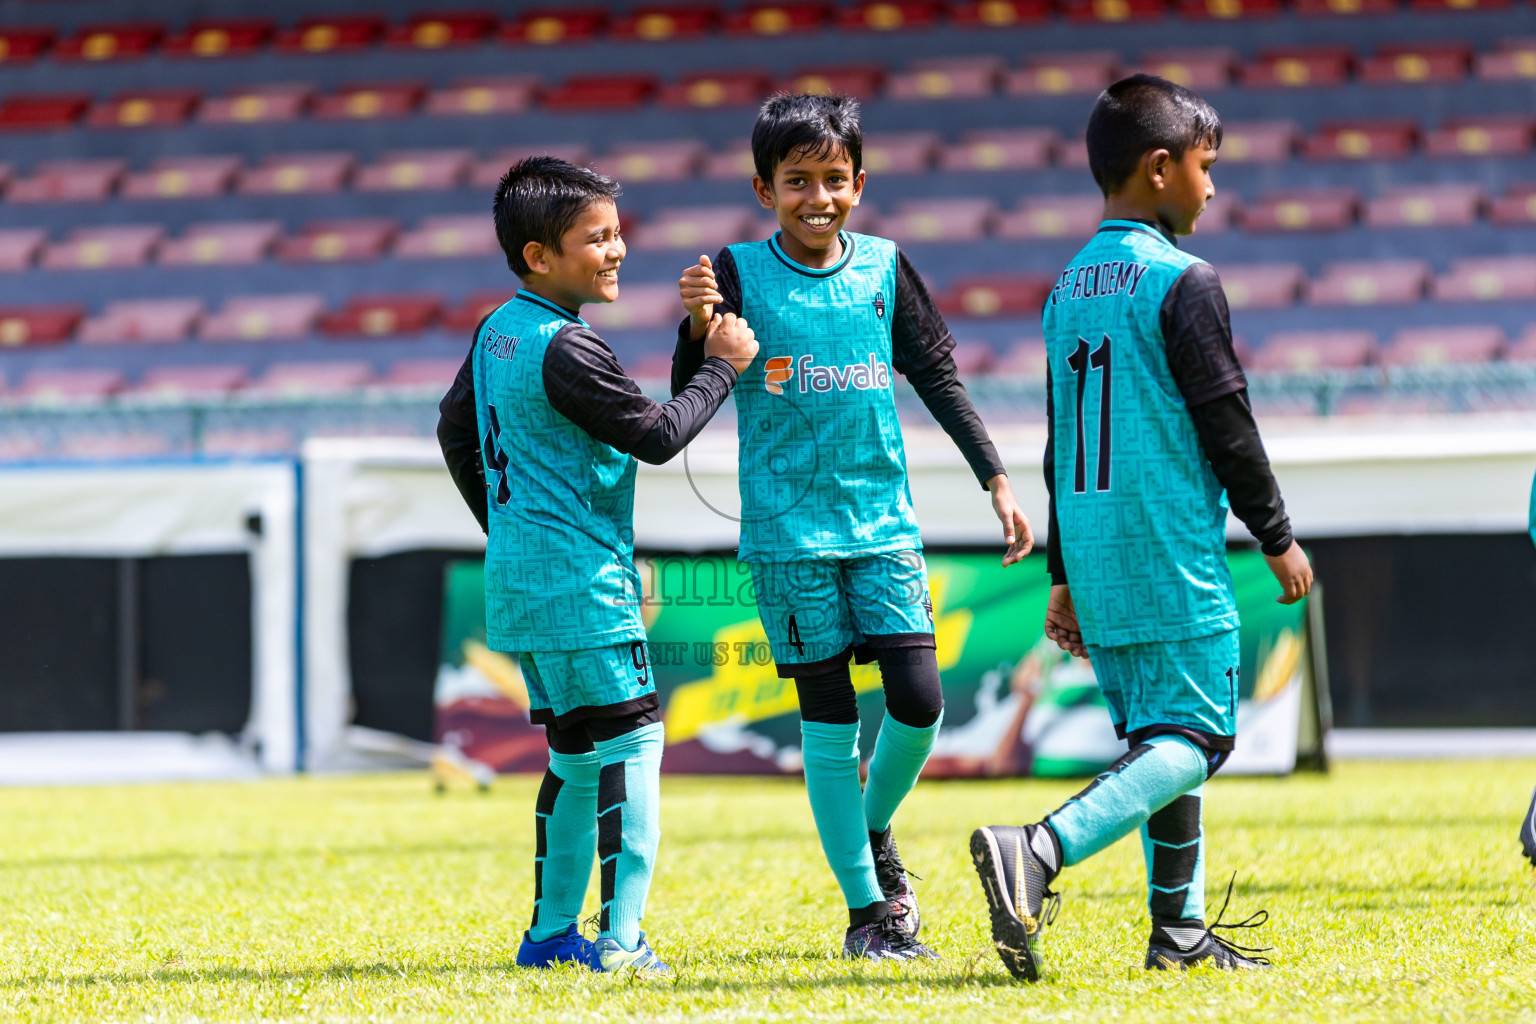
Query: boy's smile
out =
(587, 267)
(813, 193)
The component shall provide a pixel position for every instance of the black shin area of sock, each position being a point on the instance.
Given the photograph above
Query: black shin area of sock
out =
(827, 696)
(876, 911)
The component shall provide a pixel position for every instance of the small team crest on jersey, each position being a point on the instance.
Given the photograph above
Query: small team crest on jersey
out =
(880, 305)
(776, 373)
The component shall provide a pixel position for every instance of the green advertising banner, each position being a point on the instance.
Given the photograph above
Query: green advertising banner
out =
(1015, 703)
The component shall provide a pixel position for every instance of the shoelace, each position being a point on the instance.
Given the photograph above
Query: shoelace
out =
(1254, 920)
(1050, 906)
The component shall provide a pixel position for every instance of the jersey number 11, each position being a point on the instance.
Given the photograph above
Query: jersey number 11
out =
(1082, 361)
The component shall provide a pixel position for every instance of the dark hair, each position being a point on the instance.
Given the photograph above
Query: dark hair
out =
(538, 200)
(1141, 113)
(823, 126)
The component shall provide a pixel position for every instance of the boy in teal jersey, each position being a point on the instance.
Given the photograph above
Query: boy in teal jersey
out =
(541, 431)
(1151, 437)
(827, 520)
(1528, 825)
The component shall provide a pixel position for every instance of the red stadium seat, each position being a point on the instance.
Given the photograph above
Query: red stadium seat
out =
(998, 13)
(258, 104)
(1495, 135)
(887, 15)
(455, 236)
(338, 241)
(437, 31)
(365, 102)
(222, 37)
(661, 22)
(1015, 149)
(1218, 214)
(38, 325)
(1458, 5)
(598, 92)
(1262, 285)
(183, 177)
(777, 19)
(221, 243)
(548, 26)
(1393, 404)
(109, 42)
(474, 308)
(1511, 60)
(1198, 69)
(1072, 153)
(988, 295)
(675, 160)
(376, 316)
(1297, 67)
(1304, 351)
(114, 446)
(1061, 73)
(1259, 141)
(62, 181)
(700, 229)
(717, 89)
(486, 173)
(1445, 205)
(294, 173)
(901, 152)
(415, 170)
(24, 45)
(651, 366)
(1344, 8)
(973, 358)
(331, 35)
(860, 80)
(946, 78)
(1441, 346)
(1362, 140)
(178, 383)
(1113, 11)
(433, 376)
(19, 247)
(310, 379)
(262, 318)
(103, 248)
(1397, 63)
(1228, 10)
(734, 163)
(142, 320)
(1523, 349)
(1024, 359)
(639, 305)
(1369, 283)
(1496, 278)
(1053, 217)
(144, 109)
(1515, 207)
(939, 220)
(1318, 209)
(69, 386)
(21, 113)
(510, 94)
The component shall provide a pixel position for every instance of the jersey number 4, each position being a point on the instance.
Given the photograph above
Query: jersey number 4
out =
(1082, 361)
(495, 458)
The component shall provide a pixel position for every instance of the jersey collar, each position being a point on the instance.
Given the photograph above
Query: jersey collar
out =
(800, 268)
(1147, 227)
(543, 303)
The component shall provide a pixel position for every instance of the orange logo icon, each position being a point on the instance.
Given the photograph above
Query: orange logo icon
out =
(777, 372)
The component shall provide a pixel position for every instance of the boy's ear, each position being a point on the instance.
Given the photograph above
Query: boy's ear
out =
(764, 190)
(858, 186)
(1157, 163)
(533, 255)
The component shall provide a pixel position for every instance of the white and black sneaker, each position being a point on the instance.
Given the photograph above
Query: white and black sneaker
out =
(1528, 832)
(1182, 944)
(883, 940)
(894, 884)
(1016, 880)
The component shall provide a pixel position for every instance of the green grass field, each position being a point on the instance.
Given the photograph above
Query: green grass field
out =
(1396, 892)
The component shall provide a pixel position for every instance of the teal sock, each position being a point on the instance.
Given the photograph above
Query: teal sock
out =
(832, 781)
(900, 753)
(1173, 843)
(1117, 802)
(628, 828)
(565, 823)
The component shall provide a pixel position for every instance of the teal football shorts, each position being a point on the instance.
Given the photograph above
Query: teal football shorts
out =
(596, 682)
(1177, 686)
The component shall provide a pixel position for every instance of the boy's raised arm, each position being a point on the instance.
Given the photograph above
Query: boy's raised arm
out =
(711, 286)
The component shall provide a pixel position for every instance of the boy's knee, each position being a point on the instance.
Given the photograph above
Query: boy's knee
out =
(826, 695)
(914, 694)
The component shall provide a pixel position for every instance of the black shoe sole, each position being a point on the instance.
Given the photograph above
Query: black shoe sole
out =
(1016, 945)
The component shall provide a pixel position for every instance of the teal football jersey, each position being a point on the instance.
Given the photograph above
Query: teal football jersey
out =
(559, 559)
(823, 471)
(1142, 518)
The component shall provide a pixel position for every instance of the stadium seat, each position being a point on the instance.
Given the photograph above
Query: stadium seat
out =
(1303, 351)
(1261, 285)
(235, 442)
(486, 173)
(38, 325)
(178, 383)
(1441, 346)
(332, 241)
(221, 242)
(1515, 207)
(998, 13)
(656, 366)
(988, 295)
(331, 35)
(309, 379)
(731, 88)
(1447, 205)
(24, 45)
(1397, 63)
(141, 320)
(262, 318)
(1512, 59)
(182, 177)
(777, 18)
(250, 104)
(415, 170)
(473, 308)
(900, 152)
(548, 26)
(1343, 8)
(433, 376)
(112, 247)
(598, 92)
(732, 164)
(1228, 10)
(701, 229)
(362, 101)
(1219, 211)
(1496, 135)
(1523, 348)
(222, 37)
(1486, 279)
(1053, 217)
(293, 173)
(509, 94)
(59, 181)
(454, 236)
(1362, 140)
(1007, 149)
(437, 31)
(655, 23)
(109, 42)
(887, 15)
(1084, 72)
(1394, 404)
(1023, 359)
(944, 78)
(1294, 67)
(114, 446)
(148, 108)
(860, 80)
(19, 247)
(1319, 209)
(22, 113)
(1198, 69)
(973, 358)
(1369, 283)
(76, 385)
(639, 305)
(652, 161)
(1112, 11)
(377, 316)
(939, 220)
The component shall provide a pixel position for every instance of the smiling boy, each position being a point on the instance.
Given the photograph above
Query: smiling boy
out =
(541, 431)
(1150, 438)
(827, 521)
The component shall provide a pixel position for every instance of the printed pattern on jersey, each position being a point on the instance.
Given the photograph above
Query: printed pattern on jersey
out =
(562, 682)
(823, 472)
(559, 559)
(1193, 683)
(1141, 514)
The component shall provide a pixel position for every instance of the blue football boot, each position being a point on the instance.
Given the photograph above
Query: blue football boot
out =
(569, 947)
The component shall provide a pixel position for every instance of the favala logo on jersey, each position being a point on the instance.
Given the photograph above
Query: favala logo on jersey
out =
(776, 373)
(866, 376)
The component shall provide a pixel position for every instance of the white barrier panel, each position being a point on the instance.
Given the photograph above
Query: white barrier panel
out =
(180, 508)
